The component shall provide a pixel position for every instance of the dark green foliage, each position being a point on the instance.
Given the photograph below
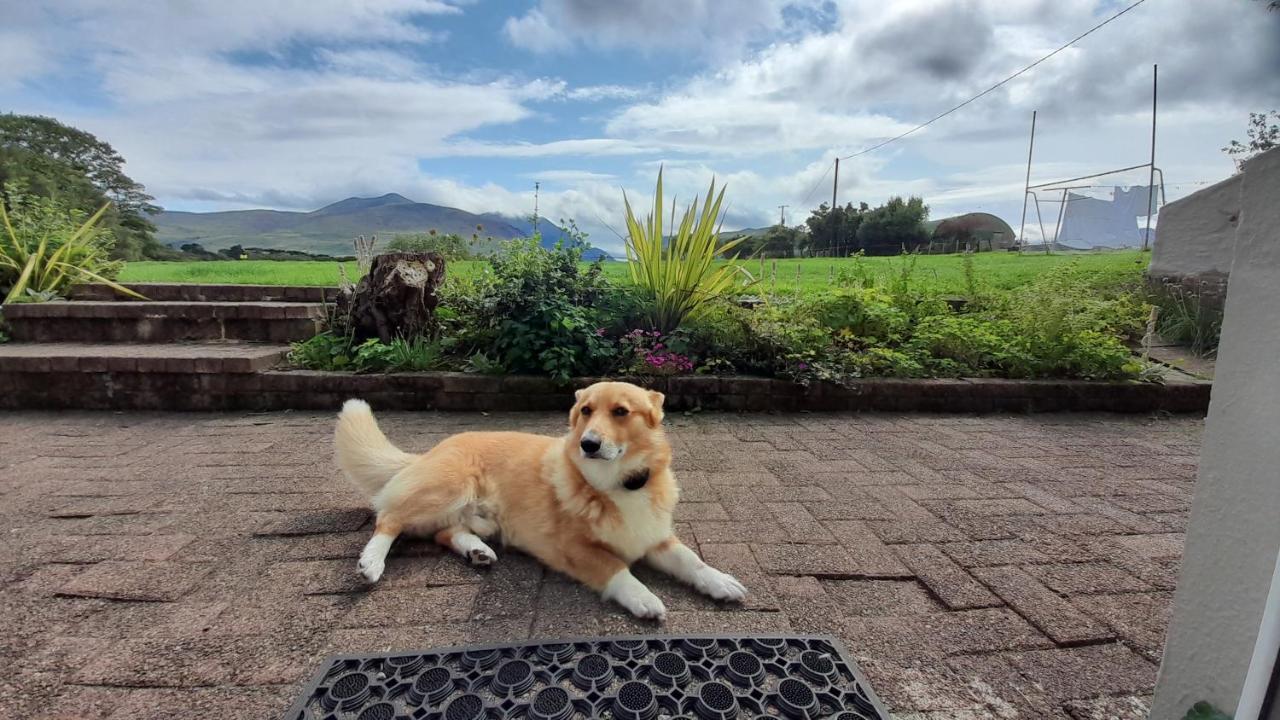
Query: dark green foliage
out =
(1204, 711)
(894, 227)
(540, 311)
(46, 158)
(833, 232)
(328, 351)
(1059, 326)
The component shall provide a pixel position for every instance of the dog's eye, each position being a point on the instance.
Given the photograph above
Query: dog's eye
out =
(586, 410)
(620, 411)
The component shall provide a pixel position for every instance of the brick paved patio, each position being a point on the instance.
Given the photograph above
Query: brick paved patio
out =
(1011, 567)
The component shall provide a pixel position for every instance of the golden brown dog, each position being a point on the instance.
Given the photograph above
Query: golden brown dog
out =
(589, 503)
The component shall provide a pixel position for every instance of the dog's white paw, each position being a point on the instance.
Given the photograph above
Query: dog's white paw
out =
(371, 567)
(719, 585)
(644, 604)
(631, 594)
(482, 556)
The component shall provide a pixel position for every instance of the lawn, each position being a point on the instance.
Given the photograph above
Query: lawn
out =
(1001, 270)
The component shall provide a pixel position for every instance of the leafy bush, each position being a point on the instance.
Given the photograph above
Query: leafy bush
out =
(449, 245)
(45, 247)
(676, 271)
(328, 351)
(537, 310)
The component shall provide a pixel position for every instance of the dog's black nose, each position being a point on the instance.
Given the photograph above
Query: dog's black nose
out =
(590, 446)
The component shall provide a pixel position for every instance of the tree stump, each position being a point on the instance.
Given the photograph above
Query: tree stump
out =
(396, 298)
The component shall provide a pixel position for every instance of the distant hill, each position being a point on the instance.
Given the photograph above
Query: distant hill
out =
(745, 232)
(331, 229)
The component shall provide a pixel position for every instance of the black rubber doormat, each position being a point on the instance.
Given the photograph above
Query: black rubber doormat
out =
(701, 677)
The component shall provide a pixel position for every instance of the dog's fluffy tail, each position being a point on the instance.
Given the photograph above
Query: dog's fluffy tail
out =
(366, 455)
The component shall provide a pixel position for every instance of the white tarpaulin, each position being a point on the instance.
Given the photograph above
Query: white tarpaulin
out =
(1089, 222)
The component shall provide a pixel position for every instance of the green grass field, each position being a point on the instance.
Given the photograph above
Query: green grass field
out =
(1000, 270)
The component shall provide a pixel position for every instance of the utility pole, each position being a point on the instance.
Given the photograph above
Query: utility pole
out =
(1151, 174)
(1026, 188)
(782, 215)
(536, 187)
(835, 185)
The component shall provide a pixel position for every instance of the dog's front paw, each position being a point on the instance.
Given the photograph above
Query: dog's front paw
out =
(719, 585)
(482, 556)
(644, 604)
(631, 594)
(371, 567)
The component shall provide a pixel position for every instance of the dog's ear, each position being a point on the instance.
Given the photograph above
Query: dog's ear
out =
(575, 412)
(655, 413)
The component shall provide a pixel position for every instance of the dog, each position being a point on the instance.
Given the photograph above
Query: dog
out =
(588, 504)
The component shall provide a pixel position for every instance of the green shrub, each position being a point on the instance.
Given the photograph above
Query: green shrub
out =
(450, 246)
(1186, 319)
(676, 271)
(328, 351)
(46, 246)
(866, 314)
(325, 351)
(539, 311)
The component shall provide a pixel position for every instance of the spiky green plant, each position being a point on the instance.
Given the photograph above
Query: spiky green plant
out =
(680, 275)
(40, 259)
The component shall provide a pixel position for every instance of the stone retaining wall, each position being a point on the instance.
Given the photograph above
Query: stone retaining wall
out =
(215, 389)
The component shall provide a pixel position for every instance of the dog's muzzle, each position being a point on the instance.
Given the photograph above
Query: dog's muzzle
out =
(595, 448)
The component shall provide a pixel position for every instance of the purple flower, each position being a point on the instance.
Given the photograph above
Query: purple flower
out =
(802, 366)
(600, 332)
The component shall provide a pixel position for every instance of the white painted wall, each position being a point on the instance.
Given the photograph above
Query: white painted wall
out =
(1234, 534)
(1197, 234)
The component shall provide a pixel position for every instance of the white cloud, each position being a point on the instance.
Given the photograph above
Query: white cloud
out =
(706, 27)
(595, 93)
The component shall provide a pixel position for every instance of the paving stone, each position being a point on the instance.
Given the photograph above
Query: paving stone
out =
(148, 581)
(407, 606)
(317, 523)
(993, 552)
(1156, 547)
(816, 560)
(879, 598)
(1095, 578)
(1087, 672)
(1044, 609)
(1139, 619)
(1129, 707)
(874, 558)
(90, 549)
(947, 580)
(897, 532)
(799, 524)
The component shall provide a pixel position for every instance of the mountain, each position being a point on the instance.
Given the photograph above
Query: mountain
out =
(331, 229)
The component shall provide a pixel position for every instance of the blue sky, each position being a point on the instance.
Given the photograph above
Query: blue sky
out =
(297, 103)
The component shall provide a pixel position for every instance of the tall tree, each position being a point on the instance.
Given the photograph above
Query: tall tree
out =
(896, 226)
(833, 232)
(51, 159)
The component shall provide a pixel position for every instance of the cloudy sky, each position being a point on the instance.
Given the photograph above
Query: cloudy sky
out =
(292, 104)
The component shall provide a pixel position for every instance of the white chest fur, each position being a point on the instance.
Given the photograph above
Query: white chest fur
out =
(643, 526)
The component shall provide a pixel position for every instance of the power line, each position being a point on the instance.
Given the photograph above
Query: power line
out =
(995, 87)
(805, 201)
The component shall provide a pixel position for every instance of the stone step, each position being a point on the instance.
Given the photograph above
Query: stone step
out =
(174, 358)
(186, 292)
(160, 322)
